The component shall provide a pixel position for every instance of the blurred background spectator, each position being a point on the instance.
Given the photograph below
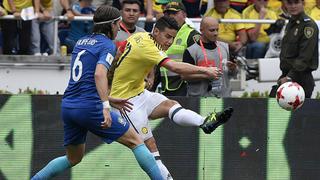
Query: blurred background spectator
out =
(258, 38)
(208, 52)
(192, 8)
(282, 12)
(79, 28)
(309, 4)
(314, 13)
(130, 13)
(3, 12)
(66, 5)
(172, 84)
(239, 5)
(233, 33)
(274, 5)
(43, 28)
(16, 33)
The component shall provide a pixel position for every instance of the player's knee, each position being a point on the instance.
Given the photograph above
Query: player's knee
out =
(170, 103)
(151, 144)
(130, 139)
(133, 142)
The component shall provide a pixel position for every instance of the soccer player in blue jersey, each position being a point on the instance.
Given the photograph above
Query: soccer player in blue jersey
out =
(85, 104)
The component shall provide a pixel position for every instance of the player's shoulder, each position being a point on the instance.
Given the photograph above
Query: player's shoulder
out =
(104, 42)
(97, 43)
(248, 10)
(143, 39)
(210, 12)
(271, 14)
(139, 35)
(223, 44)
(308, 21)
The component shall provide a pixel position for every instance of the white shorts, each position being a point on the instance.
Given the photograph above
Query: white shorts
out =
(143, 105)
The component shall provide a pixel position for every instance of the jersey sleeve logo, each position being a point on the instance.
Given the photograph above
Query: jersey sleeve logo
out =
(109, 58)
(308, 32)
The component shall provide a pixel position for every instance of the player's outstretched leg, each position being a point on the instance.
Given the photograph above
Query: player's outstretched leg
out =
(142, 154)
(214, 120)
(58, 165)
(147, 162)
(187, 117)
(164, 170)
(53, 168)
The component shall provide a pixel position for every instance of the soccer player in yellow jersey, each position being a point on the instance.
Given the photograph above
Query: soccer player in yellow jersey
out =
(144, 51)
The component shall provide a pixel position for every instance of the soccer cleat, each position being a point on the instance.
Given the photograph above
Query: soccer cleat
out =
(214, 120)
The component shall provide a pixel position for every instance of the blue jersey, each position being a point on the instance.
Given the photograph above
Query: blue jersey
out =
(87, 53)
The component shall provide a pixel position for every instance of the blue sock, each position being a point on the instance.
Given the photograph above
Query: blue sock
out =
(147, 162)
(53, 168)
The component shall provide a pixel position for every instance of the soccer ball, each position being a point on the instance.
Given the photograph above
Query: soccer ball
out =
(290, 96)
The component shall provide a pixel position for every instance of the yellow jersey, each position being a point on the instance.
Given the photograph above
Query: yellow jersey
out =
(19, 4)
(239, 1)
(156, 7)
(141, 54)
(274, 4)
(309, 4)
(227, 31)
(251, 13)
(314, 13)
(47, 4)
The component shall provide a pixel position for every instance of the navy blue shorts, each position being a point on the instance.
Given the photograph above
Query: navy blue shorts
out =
(77, 122)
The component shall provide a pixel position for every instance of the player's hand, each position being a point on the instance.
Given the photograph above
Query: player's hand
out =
(107, 119)
(231, 66)
(40, 16)
(17, 14)
(47, 15)
(214, 72)
(69, 15)
(236, 46)
(282, 80)
(159, 15)
(121, 104)
(120, 51)
(262, 12)
(3, 12)
(149, 18)
(148, 83)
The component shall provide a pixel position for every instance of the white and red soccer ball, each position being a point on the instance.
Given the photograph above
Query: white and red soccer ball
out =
(290, 96)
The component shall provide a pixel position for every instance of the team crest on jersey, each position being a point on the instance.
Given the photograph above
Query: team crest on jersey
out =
(144, 130)
(308, 32)
(196, 38)
(109, 58)
(121, 121)
(178, 41)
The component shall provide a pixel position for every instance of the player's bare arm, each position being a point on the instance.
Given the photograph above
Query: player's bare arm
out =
(185, 69)
(101, 80)
(149, 80)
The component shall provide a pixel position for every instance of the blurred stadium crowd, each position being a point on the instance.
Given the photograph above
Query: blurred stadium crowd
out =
(36, 37)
